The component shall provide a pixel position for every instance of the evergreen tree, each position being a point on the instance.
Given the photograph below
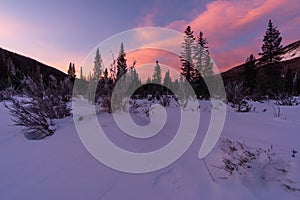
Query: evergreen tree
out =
(175, 84)
(168, 80)
(200, 50)
(157, 74)
(105, 73)
(136, 79)
(187, 66)
(269, 78)
(207, 69)
(121, 63)
(98, 64)
(133, 80)
(148, 80)
(71, 70)
(289, 82)
(81, 73)
(249, 73)
(271, 47)
(297, 84)
(203, 65)
(90, 77)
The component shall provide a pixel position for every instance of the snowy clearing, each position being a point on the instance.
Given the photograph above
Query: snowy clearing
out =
(59, 167)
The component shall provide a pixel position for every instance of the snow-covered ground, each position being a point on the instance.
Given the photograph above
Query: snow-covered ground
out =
(295, 53)
(59, 167)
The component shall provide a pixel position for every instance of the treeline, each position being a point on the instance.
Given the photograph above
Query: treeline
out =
(14, 68)
(196, 65)
(261, 77)
(265, 77)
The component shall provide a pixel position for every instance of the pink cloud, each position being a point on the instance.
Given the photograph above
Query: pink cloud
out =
(145, 56)
(227, 23)
(147, 19)
(32, 45)
(148, 57)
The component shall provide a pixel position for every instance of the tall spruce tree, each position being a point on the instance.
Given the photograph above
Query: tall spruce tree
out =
(149, 80)
(207, 69)
(289, 81)
(203, 65)
(98, 64)
(167, 80)
(186, 58)
(249, 73)
(81, 73)
(156, 78)
(270, 75)
(121, 63)
(271, 47)
(134, 76)
(72, 70)
(199, 52)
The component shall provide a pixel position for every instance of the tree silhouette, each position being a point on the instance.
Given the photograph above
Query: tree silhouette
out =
(250, 73)
(157, 74)
(98, 65)
(187, 67)
(271, 47)
(121, 63)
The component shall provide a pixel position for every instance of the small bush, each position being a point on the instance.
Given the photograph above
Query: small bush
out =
(286, 100)
(164, 100)
(234, 92)
(7, 94)
(39, 104)
(258, 165)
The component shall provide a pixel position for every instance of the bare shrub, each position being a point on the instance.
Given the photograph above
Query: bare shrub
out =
(235, 95)
(39, 104)
(256, 164)
(7, 93)
(284, 99)
(165, 100)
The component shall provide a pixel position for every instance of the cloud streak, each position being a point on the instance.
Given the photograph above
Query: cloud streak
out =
(236, 28)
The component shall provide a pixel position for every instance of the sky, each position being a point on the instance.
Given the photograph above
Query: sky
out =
(57, 32)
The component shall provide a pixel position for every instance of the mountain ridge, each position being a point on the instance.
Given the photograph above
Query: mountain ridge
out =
(290, 59)
(14, 66)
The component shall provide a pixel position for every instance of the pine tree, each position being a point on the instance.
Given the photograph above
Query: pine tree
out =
(249, 73)
(269, 78)
(81, 73)
(136, 79)
(200, 52)
(105, 74)
(271, 47)
(98, 64)
(207, 69)
(90, 76)
(297, 84)
(168, 80)
(175, 84)
(121, 63)
(156, 78)
(71, 70)
(289, 82)
(148, 80)
(187, 66)
(203, 65)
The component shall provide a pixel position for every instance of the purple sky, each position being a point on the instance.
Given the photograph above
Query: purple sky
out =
(57, 32)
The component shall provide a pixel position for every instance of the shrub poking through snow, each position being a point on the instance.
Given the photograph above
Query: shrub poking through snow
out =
(7, 93)
(286, 100)
(39, 105)
(258, 165)
(235, 95)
